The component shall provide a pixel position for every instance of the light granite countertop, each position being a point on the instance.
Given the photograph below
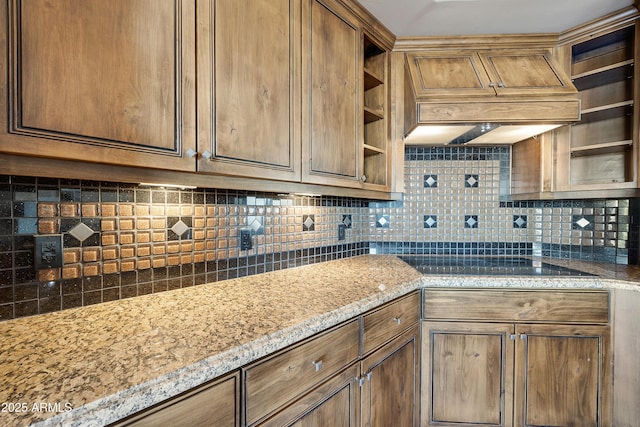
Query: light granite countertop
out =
(107, 361)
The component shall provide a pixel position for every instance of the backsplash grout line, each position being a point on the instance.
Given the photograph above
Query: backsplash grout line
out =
(132, 240)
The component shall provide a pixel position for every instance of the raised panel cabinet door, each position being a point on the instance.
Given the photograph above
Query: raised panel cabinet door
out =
(390, 392)
(216, 404)
(467, 374)
(330, 120)
(101, 81)
(563, 376)
(526, 73)
(248, 93)
(448, 74)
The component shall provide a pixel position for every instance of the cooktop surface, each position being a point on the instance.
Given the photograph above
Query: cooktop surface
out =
(486, 266)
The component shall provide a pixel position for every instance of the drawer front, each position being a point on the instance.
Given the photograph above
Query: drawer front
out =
(517, 305)
(383, 324)
(274, 382)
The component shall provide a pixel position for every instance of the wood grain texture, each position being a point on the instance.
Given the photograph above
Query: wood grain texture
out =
(331, 129)
(334, 403)
(626, 348)
(448, 74)
(498, 110)
(531, 72)
(382, 325)
(217, 404)
(108, 82)
(467, 374)
(563, 376)
(281, 378)
(517, 305)
(391, 390)
(248, 91)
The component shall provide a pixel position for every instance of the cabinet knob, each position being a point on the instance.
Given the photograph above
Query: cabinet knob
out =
(207, 154)
(363, 178)
(191, 153)
(398, 320)
(317, 364)
(501, 84)
(492, 84)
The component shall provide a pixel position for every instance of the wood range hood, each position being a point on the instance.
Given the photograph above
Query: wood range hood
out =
(485, 97)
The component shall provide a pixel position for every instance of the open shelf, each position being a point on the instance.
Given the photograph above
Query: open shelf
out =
(371, 80)
(371, 115)
(604, 75)
(601, 150)
(604, 148)
(375, 107)
(370, 150)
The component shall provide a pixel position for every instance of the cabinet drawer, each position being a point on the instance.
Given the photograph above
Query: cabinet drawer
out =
(273, 382)
(219, 400)
(517, 305)
(383, 324)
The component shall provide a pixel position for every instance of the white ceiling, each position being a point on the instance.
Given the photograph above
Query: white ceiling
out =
(463, 17)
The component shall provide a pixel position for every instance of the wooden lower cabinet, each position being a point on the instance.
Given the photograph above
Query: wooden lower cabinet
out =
(214, 404)
(495, 374)
(390, 383)
(334, 403)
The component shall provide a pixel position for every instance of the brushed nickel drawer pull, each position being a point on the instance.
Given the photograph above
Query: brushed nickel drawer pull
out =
(398, 320)
(317, 364)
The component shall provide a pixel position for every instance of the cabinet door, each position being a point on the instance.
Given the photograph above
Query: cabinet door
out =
(100, 81)
(330, 120)
(467, 374)
(562, 376)
(448, 74)
(217, 403)
(334, 403)
(248, 88)
(390, 394)
(527, 72)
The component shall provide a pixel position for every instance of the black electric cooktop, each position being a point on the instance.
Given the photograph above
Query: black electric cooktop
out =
(486, 266)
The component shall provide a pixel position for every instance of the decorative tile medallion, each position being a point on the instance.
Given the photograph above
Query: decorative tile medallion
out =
(471, 181)
(430, 221)
(308, 223)
(430, 181)
(519, 221)
(382, 221)
(471, 221)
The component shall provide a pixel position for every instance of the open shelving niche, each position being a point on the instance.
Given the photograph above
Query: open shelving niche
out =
(602, 142)
(375, 113)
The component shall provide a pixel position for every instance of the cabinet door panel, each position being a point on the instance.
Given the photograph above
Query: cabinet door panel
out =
(448, 74)
(390, 397)
(102, 81)
(330, 87)
(563, 375)
(467, 374)
(248, 91)
(525, 73)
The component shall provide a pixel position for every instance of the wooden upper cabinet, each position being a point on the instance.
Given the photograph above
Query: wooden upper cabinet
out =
(248, 88)
(100, 81)
(451, 73)
(525, 72)
(331, 149)
(482, 73)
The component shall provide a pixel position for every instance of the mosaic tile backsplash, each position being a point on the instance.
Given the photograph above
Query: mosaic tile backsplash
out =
(456, 201)
(122, 240)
